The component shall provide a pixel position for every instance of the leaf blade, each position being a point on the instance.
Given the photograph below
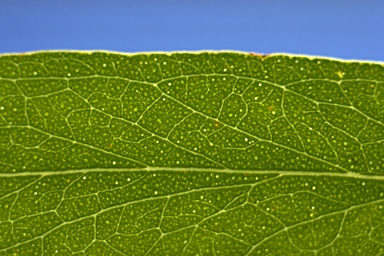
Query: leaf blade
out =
(189, 154)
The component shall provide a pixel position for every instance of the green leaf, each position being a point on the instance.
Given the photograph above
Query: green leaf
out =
(190, 154)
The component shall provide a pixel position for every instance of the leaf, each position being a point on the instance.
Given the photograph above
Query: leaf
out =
(190, 154)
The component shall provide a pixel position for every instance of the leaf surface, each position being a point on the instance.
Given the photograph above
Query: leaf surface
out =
(190, 154)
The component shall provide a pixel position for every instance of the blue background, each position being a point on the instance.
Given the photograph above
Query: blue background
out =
(345, 29)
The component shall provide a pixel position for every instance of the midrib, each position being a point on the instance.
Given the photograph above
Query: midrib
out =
(194, 169)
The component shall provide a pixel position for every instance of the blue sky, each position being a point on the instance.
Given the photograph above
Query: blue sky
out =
(344, 29)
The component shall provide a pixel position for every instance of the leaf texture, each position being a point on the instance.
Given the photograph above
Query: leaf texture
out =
(211, 153)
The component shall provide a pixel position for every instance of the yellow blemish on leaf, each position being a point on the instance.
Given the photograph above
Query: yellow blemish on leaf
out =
(340, 74)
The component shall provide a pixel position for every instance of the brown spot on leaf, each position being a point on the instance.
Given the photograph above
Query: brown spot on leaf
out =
(261, 56)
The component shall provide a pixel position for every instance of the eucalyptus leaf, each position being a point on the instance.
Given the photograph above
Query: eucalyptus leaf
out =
(209, 153)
